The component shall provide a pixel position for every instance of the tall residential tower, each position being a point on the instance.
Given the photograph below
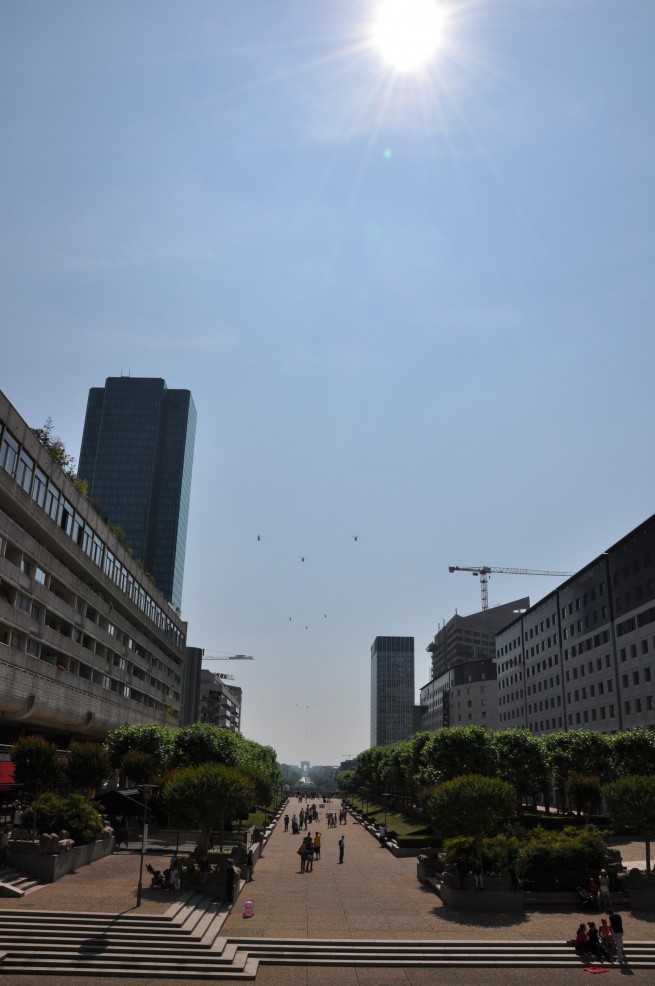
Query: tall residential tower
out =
(137, 456)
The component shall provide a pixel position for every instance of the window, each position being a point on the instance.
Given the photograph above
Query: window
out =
(39, 486)
(40, 576)
(25, 471)
(8, 453)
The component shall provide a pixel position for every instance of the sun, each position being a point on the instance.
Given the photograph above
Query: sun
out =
(408, 32)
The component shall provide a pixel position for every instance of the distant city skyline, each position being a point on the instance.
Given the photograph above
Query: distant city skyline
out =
(411, 306)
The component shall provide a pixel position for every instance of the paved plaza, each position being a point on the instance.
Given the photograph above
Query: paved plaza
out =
(372, 895)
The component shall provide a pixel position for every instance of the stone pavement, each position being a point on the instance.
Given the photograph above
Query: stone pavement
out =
(371, 895)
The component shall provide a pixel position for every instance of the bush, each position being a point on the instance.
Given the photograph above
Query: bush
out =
(74, 813)
(563, 860)
(497, 852)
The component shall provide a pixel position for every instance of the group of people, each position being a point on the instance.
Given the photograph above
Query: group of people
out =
(309, 850)
(332, 817)
(604, 942)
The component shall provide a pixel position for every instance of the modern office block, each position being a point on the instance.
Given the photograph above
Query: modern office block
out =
(583, 657)
(137, 457)
(392, 689)
(463, 691)
(87, 641)
(220, 703)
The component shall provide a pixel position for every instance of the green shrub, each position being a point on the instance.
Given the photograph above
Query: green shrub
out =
(497, 852)
(74, 813)
(563, 860)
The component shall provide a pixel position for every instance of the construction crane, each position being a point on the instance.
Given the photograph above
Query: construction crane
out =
(484, 571)
(230, 657)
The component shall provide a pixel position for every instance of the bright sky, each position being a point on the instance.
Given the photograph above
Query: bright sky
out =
(413, 306)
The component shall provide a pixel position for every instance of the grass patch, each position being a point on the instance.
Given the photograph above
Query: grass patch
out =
(397, 822)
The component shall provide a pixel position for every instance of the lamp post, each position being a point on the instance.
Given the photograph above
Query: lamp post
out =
(386, 803)
(146, 791)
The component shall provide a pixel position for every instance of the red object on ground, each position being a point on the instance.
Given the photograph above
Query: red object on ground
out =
(249, 909)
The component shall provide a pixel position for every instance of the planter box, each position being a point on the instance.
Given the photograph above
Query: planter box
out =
(485, 901)
(50, 868)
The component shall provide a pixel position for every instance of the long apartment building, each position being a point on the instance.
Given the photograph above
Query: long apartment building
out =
(584, 656)
(87, 641)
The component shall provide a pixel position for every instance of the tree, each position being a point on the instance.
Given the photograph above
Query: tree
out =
(632, 751)
(157, 741)
(203, 742)
(88, 765)
(459, 750)
(631, 804)
(139, 767)
(576, 751)
(54, 445)
(204, 797)
(584, 792)
(521, 762)
(471, 805)
(35, 762)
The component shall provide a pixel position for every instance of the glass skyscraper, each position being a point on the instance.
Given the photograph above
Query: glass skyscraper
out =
(137, 457)
(392, 689)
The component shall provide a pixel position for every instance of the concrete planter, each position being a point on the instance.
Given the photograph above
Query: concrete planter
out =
(491, 900)
(52, 867)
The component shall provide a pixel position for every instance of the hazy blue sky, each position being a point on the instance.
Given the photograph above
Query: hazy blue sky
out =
(416, 308)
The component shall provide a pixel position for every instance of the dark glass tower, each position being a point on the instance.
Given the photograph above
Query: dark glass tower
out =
(137, 456)
(392, 689)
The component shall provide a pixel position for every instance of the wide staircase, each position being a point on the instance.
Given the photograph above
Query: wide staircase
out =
(185, 943)
(14, 883)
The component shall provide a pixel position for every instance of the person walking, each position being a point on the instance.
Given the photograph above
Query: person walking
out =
(604, 899)
(616, 924)
(286, 823)
(250, 865)
(342, 847)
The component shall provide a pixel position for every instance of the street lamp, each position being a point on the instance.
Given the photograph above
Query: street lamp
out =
(146, 791)
(386, 797)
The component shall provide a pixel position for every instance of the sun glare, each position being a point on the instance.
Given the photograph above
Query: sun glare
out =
(408, 32)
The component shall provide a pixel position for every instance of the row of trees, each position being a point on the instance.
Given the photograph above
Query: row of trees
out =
(574, 764)
(206, 775)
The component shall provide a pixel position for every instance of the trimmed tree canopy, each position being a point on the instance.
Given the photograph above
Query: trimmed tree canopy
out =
(471, 805)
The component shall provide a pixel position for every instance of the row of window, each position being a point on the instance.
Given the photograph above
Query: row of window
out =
(31, 478)
(23, 642)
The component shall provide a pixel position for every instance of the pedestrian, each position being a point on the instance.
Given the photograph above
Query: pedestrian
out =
(230, 877)
(604, 898)
(383, 835)
(477, 872)
(317, 845)
(515, 873)
(174, 878)
(342, 847)
(250, 865)
(616, 924)
(286, 823)
(4, 848)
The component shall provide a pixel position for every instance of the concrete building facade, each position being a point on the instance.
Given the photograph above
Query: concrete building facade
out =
(219, 703)
(392, 689)
(584, 656)
(463, 691)
(137, 457)
(87, 642)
